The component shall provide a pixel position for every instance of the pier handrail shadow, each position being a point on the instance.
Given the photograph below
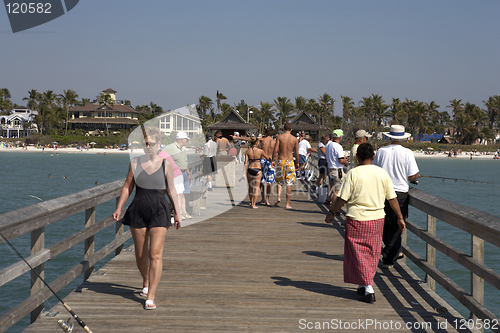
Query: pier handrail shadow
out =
(480, 225)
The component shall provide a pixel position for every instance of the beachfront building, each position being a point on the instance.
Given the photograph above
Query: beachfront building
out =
(94, 117)
(181, 119)
(20, 123)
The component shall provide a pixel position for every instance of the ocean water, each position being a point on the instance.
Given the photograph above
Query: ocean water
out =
(25, 178)
(484, 197)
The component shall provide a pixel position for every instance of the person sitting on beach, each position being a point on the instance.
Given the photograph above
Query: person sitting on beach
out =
(149, 216)
(364, 192)
(286, 145)
(252, 170)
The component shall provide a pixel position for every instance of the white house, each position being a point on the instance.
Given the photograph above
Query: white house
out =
(20, 123)
(181, 119)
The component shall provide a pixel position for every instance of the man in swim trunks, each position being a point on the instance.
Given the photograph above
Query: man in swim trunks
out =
(267, 144)
(286, 144)
(222, 143)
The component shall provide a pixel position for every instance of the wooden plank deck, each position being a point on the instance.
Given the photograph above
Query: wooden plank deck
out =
(263, 270)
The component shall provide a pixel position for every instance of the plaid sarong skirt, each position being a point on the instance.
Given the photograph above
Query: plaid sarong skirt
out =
(362, 246)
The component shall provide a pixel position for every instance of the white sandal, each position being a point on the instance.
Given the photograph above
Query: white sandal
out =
(144, 292)
(149, 305)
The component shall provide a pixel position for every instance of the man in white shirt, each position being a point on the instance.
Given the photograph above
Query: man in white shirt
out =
(304, 150)
(336, 162)
(209, 162)
(401, 166)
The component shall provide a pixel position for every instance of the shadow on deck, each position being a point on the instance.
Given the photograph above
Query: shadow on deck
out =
(263, 270)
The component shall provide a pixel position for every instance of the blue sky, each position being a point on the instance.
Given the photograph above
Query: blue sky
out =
(172, 52)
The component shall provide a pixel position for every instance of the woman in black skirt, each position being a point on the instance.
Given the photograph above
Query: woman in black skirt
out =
(148, 216)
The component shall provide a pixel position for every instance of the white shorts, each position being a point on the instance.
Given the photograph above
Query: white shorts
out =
(179, 184)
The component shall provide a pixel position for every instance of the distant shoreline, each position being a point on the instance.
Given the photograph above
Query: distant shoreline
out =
(102, 151)
(463, 156)
(66, 150)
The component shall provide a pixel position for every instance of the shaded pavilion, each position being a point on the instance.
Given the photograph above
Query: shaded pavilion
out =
(304, 122)
(230, 123)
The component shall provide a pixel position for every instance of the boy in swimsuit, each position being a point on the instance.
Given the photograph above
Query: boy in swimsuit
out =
(286, 145)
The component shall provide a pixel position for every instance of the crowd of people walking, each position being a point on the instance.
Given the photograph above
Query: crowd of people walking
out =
(374, 192)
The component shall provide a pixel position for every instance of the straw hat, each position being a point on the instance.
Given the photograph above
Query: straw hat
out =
(397, 132)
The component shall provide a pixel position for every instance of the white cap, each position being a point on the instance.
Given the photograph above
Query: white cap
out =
(181, 135)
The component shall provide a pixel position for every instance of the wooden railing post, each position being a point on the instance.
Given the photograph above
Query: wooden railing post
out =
(431, 251)
(118, 232)
(37, 274)
(89, 242)
(477, 283)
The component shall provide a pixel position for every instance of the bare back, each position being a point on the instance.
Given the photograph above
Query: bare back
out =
(267, 145)
(286, 144)
(222, 144)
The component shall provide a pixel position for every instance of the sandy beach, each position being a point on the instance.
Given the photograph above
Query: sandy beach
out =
(462, 156)
(418, 154)
(65, 150)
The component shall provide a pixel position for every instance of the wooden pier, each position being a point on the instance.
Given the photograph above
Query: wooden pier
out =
(253, 270)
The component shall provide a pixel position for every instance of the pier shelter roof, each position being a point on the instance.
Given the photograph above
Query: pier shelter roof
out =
(304, 122)
(233, 122)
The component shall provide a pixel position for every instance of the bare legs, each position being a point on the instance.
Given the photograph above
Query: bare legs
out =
(148, 245)
(265, 195)
(288, 195)
(253, 188)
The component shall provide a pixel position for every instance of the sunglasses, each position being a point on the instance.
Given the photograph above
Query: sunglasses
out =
(151, 143)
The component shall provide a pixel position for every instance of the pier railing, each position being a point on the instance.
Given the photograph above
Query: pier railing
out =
(481, 227)
(33, 219)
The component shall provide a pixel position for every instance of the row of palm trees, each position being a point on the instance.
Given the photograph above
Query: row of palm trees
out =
(467, 123)
(53, 109)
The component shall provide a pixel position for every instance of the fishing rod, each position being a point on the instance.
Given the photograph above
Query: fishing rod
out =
(461, 179)
(61, 323)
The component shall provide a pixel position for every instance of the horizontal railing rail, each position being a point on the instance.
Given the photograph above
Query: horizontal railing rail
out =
(33, 219)
(480, 225)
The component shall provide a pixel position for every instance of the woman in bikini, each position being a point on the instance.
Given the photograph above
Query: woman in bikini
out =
(148, 216)
(253, 172)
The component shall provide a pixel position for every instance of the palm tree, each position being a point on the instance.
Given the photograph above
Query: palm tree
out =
(264, 117)
(379, 109)
(418, 117)
(397, 112)
(300, 104)
(456, 106)
(284, 108)
(68, 98)
(155, 109)
(105, 100)
(368, 108)
(5, 102)
(204, 105)
(218, 100)
(326, 108)
(347, 107)
(477, 118)
(493, 109)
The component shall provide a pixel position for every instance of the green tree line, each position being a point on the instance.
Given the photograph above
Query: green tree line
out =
(466, 122)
